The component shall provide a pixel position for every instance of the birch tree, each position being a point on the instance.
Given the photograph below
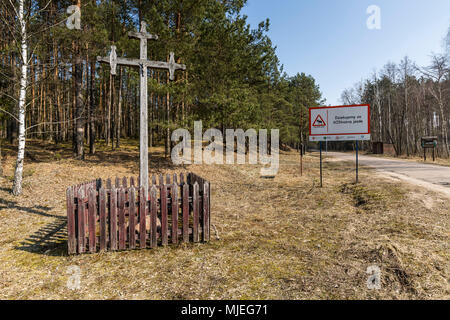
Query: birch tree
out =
(437, 73)
(406, 71)
(377, 103)
(18, 174)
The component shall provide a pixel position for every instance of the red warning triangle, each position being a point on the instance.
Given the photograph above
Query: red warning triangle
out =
(319, 122)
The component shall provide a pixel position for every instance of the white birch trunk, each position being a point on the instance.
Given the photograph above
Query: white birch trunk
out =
(17, 186)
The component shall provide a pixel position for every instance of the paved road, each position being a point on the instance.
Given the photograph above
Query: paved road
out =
(430, 176)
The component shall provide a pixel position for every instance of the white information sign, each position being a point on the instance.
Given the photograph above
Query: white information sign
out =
(342, 123)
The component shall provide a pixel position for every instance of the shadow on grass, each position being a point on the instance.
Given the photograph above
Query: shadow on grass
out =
(39, 210)
(49, 240)
(9, 190)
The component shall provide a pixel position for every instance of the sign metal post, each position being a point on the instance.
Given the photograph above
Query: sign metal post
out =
(357, 161)
(340, 123)
(321, 177)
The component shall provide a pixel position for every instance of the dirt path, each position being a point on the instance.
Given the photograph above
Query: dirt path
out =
(436, 178)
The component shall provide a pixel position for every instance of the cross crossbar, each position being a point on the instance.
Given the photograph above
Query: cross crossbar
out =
(113, 60)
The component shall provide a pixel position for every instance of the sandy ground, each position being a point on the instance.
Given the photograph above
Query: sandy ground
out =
(432, 177)
(281, 238)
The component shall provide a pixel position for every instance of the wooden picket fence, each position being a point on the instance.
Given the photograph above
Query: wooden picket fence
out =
(113, 217)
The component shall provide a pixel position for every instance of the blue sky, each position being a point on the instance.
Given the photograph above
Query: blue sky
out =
(329, 39)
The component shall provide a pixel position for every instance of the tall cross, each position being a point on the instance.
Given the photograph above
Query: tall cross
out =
(143, 64)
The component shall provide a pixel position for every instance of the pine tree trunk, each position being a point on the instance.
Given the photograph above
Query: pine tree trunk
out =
(119, 109)
(33, 94)
(152, 118)
(55, 133)
(108, 117)
(79, 109)
(92, 112)
(41, 110)
(168, 151)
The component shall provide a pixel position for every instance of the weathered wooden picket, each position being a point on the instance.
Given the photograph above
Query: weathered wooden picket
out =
(107, 217)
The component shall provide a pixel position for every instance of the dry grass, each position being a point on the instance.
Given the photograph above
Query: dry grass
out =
(279, 239)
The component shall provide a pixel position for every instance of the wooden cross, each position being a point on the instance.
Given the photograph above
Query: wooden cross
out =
(143, 64)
